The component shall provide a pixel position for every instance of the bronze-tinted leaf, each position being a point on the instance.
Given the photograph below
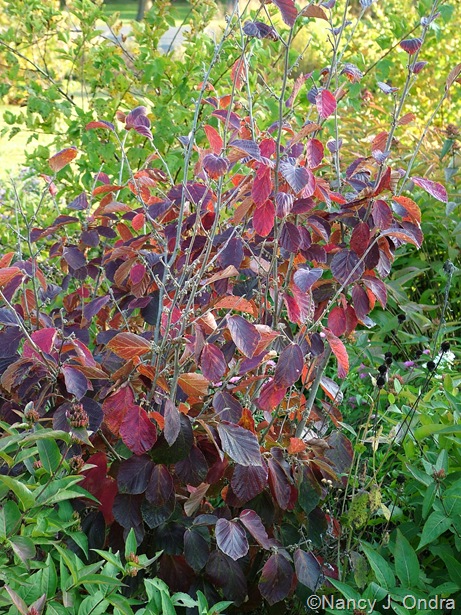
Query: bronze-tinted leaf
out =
(129, 345)
(62, 158)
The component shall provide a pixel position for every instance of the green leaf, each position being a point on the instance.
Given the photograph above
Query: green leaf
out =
(93, 605)
(112, 558)
(54, 608)
(131, 543)
(220, 607)
(406, 562)
(81, 540)
(399, 609)
(49, 454)
(453, 567)
(48, 578)
(420, 476)
(383, 572)
(428, 500)
(10, 519)
(181, 599)
(346, 590)
(436, 428)
(436, 524)
(24, 495)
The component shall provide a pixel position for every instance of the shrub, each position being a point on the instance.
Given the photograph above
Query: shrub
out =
(180, 323)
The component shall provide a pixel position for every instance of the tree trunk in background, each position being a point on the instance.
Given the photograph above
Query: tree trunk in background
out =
(143, 6)
(62, 4)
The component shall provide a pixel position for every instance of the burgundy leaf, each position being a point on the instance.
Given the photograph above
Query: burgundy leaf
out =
(284, 204)
(326, 103)
(297, 177)
(263, 218)
(160, 487)
(337, 321)
(252, 522)
(244, 335)
(213, 363)
(288, 10)
(377, 287)
(228, 119)
(93, 307)
(227, 406)
(228, 575)
(382, 214)
(433, 188)
(271, 395)
(248, 481)
(137, 431)
(411, 45)
(258, 29)
(197, 547)
(276, 578)
(172, 422)
(134, 473)
(347, 267)
(193, 469)
(360, 301)
(240, 444)
(418, 67)
(304, 278)
(215, 166)
(232, 254)
(231, 539)
(76, 383)
(154, 515)
(308, 570)
(314, 154)
(100, 124)
(280, 484)
(290, 237)
(289, 366)
(360, 238)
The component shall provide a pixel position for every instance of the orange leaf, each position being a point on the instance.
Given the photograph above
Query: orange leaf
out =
(340, 352)
(128, 345)
(240, 304)
(228, 272)
(62, 158)
(6, 259)
(247, 421)
(214, 139)
(158, 418)
(315, 12)
(296, 446)
(194, 385)
(413, 211)
(7, 274)
(138, 222)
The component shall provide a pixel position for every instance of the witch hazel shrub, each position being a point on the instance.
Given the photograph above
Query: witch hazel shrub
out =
(180, 329)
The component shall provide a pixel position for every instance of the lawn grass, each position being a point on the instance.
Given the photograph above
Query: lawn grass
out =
(128, 9)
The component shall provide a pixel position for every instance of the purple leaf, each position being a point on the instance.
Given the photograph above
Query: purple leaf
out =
(305, 278)
(276, 578)
(95, 306)
(248, 481)
(74, 257)
(213, 363)
(314, 153)
(258, 29)
(215, 166)
(197, 547)
(289, 366)
(134, 474)
(240, 444)
(290, 237)
(76, 383)
(250, 148)
(411, 45)
(288, 10)
(228, 118)
(308, 570)
(347, 267)
(160, 487)
(231, 539)
(433, 188)
(227, 406)
(172, 422)
(252, 522)
(387, 89)
(298, 177)
(79, 203)
(244, 335)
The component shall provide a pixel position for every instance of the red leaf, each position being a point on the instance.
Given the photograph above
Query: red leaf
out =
(326, 103)
(193, 384)
(314, 154)
(289, 366)
(244, 335)
(263, 218)
(308, 569)
(360, 238)
(240, 444)
(262, 185)
(276, 578)
(300, 81)
(337, 321)
(347, 267)
(406, 119)
(100, 124)
(138, 221)
(270, 396)
(433, 188)
(44, 339)
(115, 408)
(7, 274)
(382, 214)
(213, 363)
(231, 539)
(172, 425)
(160, 487)
(249, 148)
(137, 273)
(239, 304)
(138, 433)
(252, 522)
(279, 484)
(248, 481)
(238, 73)
(407, 209)
(411, 45)
(129, 345)
(62, 158)
(215, 141)
(298, 177)
(288, 10)
(340, 352)
(377, 287)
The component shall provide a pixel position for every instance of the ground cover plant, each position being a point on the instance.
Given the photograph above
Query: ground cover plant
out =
(187, 318)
